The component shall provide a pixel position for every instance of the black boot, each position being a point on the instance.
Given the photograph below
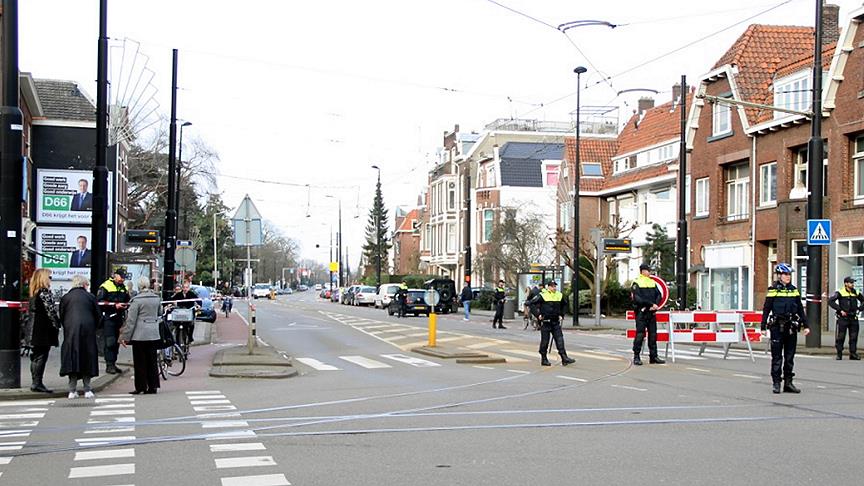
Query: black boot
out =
(788, 387)
(776, 387)
(566, 360)
(544, 361)
(501, 326)
(854, 356)
(37, 370)
(656, 360)
(637, 360)
(839, 356)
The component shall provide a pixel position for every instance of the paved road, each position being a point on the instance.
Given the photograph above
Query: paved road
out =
(366, 410)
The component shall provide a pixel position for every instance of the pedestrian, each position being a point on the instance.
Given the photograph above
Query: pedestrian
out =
(646, 297)
(846, 302)
(402, 299)
(80, 317)
(499, 298)
(141, 330)
(465, 298)
(784, 315)
(41, 333)
(189, 300)
(113, 299)
(548, 307)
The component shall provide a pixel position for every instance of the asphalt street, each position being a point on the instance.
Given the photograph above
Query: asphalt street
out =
(367, 410)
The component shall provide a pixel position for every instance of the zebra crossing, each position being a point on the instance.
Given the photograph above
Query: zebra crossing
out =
(367, 362)
(18, 419)
(110, 415)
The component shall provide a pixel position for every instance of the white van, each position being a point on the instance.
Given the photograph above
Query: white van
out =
(385, 295)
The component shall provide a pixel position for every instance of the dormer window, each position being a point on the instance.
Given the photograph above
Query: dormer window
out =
(722, 119)
(792, 93)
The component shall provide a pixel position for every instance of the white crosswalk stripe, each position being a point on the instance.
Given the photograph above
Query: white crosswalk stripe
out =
(365, 362)
(318, 365)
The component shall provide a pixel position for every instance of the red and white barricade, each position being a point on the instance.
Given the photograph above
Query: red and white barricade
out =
(725, 327)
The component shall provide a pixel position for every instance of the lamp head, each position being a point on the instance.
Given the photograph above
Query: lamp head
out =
(580, 70)
(186, 124)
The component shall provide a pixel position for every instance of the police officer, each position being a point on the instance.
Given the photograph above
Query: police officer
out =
(845, 301)
(112, 292)
(646, 297)
(548, 306)
(499, 298)
(402, 299)
(783, 305)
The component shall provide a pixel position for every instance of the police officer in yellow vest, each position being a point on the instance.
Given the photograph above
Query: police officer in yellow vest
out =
(784, 314)
(113, 292)
(646, 297)
(499, 298)
(548, 306)
(846, 302)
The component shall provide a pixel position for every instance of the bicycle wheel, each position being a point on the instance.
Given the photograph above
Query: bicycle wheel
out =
(177, 364)
(162, 361)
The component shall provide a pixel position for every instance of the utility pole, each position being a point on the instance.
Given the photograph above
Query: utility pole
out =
(331, 259)
(215, 260)
(99, 233)
(467, 263)
(577, 177)
(339, 244)
(171, 212)
(681, 237)
(814, 202)
(11, 175)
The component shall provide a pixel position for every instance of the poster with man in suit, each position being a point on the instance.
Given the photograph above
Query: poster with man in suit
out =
(64, 196)
(81, 255)
(83, 199)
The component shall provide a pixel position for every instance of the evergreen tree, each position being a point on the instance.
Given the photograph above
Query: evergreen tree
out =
(371, 252)
(660, 252)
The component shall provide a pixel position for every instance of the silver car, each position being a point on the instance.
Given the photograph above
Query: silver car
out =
(364, 295)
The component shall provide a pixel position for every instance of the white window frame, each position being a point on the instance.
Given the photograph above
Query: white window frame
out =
(737, 192)
(451, 238)
(858, 170)
(792, 93)
(721, 119)
(801, 170)
(702, 197)
(768, 184)
(488, 218)
(451, 195)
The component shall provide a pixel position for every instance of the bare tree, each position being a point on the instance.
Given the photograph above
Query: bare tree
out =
(518, 240)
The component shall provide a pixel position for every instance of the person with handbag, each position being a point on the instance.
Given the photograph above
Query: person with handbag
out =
(80, 317)
(141, 330)
(42, 328)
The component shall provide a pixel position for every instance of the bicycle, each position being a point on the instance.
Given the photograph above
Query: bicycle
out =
(179, 318)
(227, 304)
(171, 360)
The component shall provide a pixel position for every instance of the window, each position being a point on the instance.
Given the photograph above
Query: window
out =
(662, 194)
(702, 197)
(858, 163)
(737, 189)
(565, 213)
(722, 119)
(488, 224)
(551, 172)
(427, 237)
(451, 237)
(792, 93)
(772, 260)
(592, 169)
(451, 196)
(801, 184)
(768, 184)
(490, 176)
(627, 210)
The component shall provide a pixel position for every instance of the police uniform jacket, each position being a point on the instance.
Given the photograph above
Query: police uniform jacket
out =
(499, 295)
(846, 300)
(645, 292)
(549, 304)
(112, 292)
(783, 301)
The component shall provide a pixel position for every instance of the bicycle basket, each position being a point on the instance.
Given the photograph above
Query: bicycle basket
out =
(183, 315)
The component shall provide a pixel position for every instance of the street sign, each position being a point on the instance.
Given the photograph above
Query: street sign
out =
(143, 237)
(818, 231)
(664, 290)
(247, 224)
(613, 245)
(181, 243)
(431, 297)
(186, 257)
(334, 266)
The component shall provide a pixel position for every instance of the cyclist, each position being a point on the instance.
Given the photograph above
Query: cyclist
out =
(188, 300)
(227, 304)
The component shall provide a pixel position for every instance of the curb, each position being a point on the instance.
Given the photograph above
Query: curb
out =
(97, 385)
(267, 365)
(221, 372)
(489, 360)
(461, 357)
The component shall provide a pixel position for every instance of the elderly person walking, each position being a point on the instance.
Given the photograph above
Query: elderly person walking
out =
(141, 330)
(80, 315)
(42, 331)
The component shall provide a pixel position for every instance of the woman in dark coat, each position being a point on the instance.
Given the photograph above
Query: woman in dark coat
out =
(43, 331)
(80, 315)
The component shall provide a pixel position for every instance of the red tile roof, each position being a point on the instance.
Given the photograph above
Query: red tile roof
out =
(640, 174)
(758, 53)
(408, 221)
(654, 126)
(591, 150)
(791, 67)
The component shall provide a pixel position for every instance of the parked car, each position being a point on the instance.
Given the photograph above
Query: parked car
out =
(385, 295)
(261, 290)
(448, 298)
(334, 295)
(207, 313)
(318, 287)
(364, 295)
(348, 295)
(415, 304)
(302, 288)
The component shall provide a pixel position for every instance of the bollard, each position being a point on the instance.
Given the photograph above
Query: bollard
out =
(250, 343)
(433, 318)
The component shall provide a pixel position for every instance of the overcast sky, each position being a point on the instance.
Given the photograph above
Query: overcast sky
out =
(315, 92)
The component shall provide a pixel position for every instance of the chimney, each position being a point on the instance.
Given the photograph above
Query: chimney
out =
(676, 92)
(645, 104)
(830, 24)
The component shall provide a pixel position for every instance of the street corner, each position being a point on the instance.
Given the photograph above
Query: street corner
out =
(462, 356)
(264, 362)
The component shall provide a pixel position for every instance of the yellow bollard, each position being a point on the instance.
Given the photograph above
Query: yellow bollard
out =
(433, 318)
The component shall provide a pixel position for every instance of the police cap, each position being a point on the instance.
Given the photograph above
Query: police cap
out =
(552, 283)
(848, 280)
(644, 266)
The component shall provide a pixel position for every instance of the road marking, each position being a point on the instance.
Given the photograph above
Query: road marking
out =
(625, 387)
(314, 363)
(110, 406)
(13, 416)
(114, 400)
(104, 454)
(104, 413)
(752, 377)
(581, 380)
(263, 480)
(206, 392)
(250, 461)
(421, 363)
(220, 424)
(209, 402)
(101, 471)
(111, 420)
(521, 372)
(484, 367)
(26, 403)
(11, 446)
(233, 434)
(381, 326)
(521, 352)
(14, 433)
(5, 460)
(29, 423)
(93, 441)
(109, 430)
(365, 362)
(206, 397)
(591, 355)
(481, 345)
(239, 446)
(702, 370)
(214, 408)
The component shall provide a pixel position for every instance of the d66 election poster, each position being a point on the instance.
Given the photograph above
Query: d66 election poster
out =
(66, 196)
(66, 251)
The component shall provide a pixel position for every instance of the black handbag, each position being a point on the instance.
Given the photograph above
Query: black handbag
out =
(166, 337)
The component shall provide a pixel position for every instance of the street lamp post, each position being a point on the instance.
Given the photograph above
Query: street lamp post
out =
(580, 70)
(378, 228)
(179, 167)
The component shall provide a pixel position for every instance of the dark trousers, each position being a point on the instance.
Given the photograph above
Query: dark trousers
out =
(38, 360)
(646, 320)
(553, 329)
(844, 323)
(499, 314)
(146, 369)
(110, 333)
(403, 308)
(783, 343)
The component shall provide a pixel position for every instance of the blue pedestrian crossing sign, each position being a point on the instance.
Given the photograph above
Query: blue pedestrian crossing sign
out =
(818, 231)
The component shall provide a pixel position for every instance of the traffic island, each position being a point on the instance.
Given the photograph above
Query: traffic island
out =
(461, 356)
(264, 362)
(59, 388)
